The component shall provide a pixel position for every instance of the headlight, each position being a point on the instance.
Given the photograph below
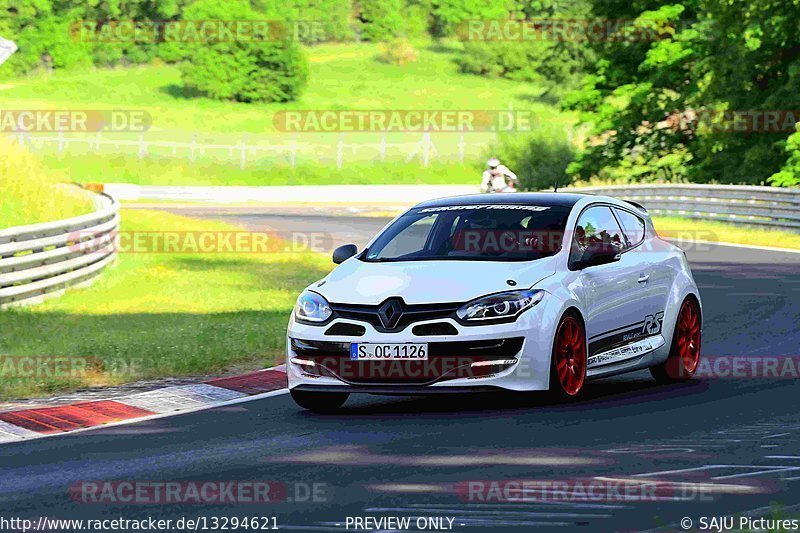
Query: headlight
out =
(500, 307)
(311, 307)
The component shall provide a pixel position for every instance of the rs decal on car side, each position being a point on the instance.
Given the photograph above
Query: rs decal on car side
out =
(653, 323)
(628, 335)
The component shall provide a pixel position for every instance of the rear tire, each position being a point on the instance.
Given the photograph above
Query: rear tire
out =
(684, 354)
(319, 402)
(568, 360)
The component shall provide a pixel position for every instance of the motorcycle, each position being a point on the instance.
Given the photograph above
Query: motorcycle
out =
(508, 185)
(508, 188)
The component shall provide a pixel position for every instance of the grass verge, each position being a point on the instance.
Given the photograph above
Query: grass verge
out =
(95, 168)
(706, 230)
(30, 194)
(160, 314)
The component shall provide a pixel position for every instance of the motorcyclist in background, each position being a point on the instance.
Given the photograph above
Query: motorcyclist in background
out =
(494, 178)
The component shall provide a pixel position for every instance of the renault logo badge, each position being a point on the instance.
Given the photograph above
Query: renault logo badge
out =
(390, 313)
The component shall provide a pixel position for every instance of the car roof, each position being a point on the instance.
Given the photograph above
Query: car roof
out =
(548, 199)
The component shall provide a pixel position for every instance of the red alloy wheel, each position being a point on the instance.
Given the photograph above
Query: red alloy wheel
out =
(688, 336)
(570, 355)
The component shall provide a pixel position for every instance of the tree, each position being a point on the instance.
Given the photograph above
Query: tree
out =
(789, 175)
(643, 95)
(261, 69)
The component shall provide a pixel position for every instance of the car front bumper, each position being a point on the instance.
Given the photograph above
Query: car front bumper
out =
(512, 356)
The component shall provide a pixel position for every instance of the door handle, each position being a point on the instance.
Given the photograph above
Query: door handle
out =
(643, 278)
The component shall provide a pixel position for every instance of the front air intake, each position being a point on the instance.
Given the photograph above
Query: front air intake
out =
(435, 328)
(346, 330)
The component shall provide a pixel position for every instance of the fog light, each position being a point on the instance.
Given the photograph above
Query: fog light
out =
(497, 362)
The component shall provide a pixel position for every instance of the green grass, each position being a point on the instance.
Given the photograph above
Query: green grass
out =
(157, 314)
(704, 230)
(342, 77)
(161, 171)
(30, 194)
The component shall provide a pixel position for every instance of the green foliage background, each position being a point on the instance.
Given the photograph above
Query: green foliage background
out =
(242, 70)
(700, 56)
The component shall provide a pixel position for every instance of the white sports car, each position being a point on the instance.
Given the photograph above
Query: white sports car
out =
(522, 292)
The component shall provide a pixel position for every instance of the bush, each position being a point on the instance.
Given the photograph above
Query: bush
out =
(448, 14)
(554, 65)
(417, 19)
(47, 44)
(334, 18)
(398, 52)
(538, 159)
(246, 71)
(380, 20)
(789, 175)
(512, 60)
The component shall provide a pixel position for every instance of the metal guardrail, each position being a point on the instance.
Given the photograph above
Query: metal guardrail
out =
(42, 260)
(742, 204)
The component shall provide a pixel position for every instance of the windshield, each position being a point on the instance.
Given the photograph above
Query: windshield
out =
(472, 232)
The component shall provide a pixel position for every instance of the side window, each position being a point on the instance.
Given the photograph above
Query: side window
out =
(596, 227)
(632, 226)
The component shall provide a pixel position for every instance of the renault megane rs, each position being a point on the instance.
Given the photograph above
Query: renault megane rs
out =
(522, 292)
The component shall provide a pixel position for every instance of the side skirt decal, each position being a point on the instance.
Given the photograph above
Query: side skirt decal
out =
(650, 326)
(629, 351)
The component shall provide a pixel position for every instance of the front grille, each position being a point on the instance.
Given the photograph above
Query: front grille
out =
(446, 360)
(409, 314)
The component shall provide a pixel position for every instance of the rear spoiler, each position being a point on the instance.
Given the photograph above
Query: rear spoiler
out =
(636, 205)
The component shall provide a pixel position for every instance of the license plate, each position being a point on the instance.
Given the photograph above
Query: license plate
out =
(365, 351)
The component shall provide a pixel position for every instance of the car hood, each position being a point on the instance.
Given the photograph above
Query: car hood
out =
(421, 282)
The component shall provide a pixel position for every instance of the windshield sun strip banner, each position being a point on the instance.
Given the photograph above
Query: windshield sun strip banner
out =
(483, 206)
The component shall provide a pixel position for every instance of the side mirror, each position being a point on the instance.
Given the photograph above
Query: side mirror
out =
(598, 255)
(344, 252)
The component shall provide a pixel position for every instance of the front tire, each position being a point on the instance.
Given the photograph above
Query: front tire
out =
(319, 402)
(568, 362)
(684, 354)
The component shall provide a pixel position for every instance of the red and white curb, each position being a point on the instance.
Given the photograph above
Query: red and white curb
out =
(81, 416)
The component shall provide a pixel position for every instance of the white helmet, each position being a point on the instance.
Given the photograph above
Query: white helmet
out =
(493, 162)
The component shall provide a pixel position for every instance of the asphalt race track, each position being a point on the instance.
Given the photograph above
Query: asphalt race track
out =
(715, 445)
